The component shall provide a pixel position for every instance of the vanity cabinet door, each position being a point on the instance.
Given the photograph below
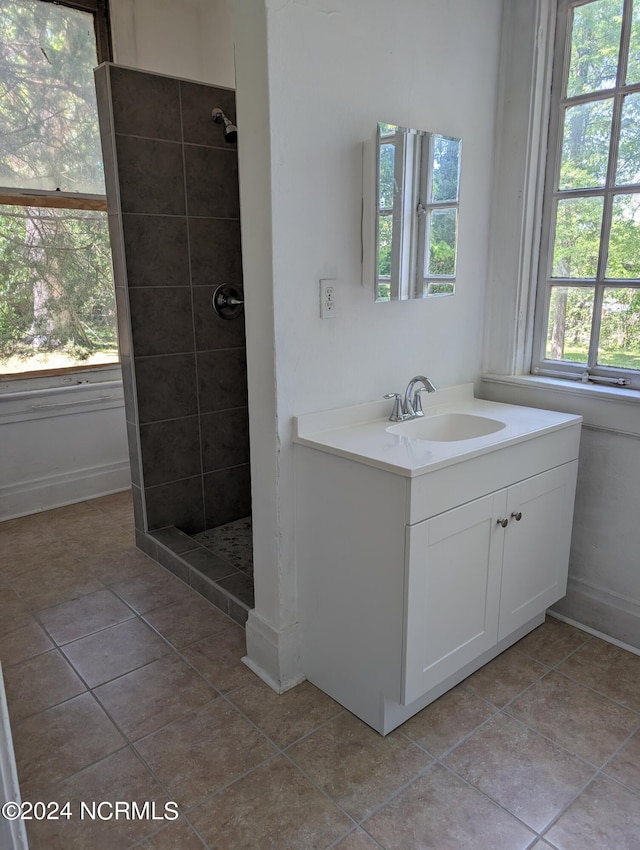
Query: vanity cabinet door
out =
(453, 565)
(536, 545)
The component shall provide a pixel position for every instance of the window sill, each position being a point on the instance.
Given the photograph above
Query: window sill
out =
(63, 380)
(45, 403)
(605, 408)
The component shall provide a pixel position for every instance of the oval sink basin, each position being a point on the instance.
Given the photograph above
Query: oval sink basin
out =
(447, 427)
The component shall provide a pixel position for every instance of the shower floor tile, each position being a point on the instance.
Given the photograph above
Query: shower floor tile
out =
(233, 542)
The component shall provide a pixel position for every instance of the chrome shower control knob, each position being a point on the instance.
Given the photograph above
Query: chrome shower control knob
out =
(227, 301)
(517, 515)
(503, 522)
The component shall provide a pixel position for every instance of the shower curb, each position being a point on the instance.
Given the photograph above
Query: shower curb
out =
(172, 549)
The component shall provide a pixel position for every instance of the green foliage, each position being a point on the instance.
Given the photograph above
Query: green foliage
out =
(443, 240)
(446, 169)
(49, 135)
(595, 41)
(388, 186)
(385, 231)
(40, 249)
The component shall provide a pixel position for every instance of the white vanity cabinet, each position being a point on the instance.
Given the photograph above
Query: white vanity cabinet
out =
(416, 567)
(471, 580)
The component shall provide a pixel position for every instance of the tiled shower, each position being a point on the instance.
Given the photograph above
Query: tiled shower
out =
(174, 223)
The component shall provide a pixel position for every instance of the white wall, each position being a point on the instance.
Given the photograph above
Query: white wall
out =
(189, 39)
(331, 70)
(61, 446)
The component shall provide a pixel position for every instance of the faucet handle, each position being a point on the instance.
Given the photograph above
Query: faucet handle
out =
(396, 413)
(417, 401)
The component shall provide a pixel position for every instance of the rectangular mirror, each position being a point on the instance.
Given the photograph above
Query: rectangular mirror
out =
(410, 213)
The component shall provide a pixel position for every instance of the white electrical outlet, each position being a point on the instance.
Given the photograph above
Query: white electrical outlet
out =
(328, 300)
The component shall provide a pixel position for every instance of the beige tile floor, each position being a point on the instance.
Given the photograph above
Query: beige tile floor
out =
(124, 685)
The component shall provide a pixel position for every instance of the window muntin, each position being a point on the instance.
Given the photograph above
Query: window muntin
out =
(56, 282)
(588, 307)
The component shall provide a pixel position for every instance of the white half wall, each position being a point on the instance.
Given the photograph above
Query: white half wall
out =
(61, 446)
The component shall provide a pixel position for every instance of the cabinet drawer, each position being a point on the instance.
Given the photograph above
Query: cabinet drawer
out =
(442, 489)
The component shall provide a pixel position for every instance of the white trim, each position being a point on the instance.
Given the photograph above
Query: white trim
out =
(595, 632)
(68, 380)
(13, 835)
(272, 654)
(45, 403)
(54, 491)
(521, 128)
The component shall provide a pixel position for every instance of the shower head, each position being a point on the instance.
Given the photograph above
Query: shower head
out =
(230, 129)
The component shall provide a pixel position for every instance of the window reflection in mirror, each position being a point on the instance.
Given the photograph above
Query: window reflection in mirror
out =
(417, 177)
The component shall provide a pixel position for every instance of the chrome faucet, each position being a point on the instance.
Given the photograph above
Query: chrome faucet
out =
(413, 406)
(410, 407)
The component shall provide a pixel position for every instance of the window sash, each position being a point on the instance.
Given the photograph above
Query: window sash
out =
(540, 364)
(13, 196)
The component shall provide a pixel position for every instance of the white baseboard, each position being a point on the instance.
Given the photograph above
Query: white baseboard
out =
(54, 491)
(557, 616)
(273, 655)
(13, 835)
(601, 612)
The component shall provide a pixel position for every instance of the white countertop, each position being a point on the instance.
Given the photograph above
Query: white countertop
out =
(360, 432)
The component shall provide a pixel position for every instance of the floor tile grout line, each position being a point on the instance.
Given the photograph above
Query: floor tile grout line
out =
(134, 741)
(132, 748)
(323, 791)
(565, 809)
(602, 769)
(600, 693)
(501, 711)
(16, 722)
(355, 832)
(218, 791)
(277, 754)
(139, 842)
(51, 787)
(553, 741)
(555, 669)
(597, 771)
(227, 698)
(460, 741)
(495, 802)
(126, 673)
(97, 631)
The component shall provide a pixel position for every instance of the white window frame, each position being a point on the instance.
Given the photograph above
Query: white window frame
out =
(590, 372)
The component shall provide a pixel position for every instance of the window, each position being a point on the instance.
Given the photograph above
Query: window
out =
(418, 176)
(57, 304)
(587, 321)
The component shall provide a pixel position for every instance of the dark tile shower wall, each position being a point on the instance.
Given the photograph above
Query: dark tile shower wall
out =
(172, 190)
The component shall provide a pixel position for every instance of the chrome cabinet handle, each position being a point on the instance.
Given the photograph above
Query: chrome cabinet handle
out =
(517, 515)
(503, 522)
